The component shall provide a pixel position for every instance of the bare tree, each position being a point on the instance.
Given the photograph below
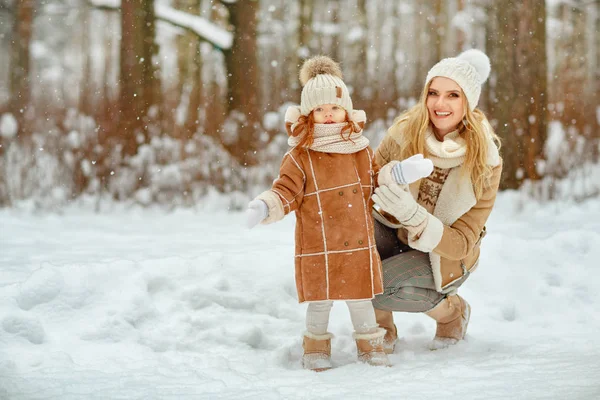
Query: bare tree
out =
(190, 73)
(517, 48)
(138, 89)
(20, 80)
(305, 40)
(243, 85)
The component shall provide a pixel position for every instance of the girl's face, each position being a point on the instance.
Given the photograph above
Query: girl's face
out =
(329, 114)
(445, 105)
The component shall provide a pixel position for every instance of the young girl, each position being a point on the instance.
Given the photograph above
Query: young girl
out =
(327, 178)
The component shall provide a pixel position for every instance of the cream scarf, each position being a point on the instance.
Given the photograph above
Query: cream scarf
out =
(447, 154)
(327, 139)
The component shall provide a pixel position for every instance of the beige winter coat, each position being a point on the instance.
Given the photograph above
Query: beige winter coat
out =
(452, 238)
(336, 256)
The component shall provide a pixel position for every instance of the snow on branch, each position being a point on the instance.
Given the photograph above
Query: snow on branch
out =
(205, 29)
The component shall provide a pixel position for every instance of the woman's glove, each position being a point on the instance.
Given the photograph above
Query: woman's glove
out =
(256, 212)
(398, 202)
(406, 171)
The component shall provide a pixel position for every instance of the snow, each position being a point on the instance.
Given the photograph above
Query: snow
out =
(8, 126)
(135, 303)
(201, 26)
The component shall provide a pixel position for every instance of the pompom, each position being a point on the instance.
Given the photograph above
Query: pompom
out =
(479, 60)
(319, 65)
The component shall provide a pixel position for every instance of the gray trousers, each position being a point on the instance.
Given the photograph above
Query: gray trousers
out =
(407, 276)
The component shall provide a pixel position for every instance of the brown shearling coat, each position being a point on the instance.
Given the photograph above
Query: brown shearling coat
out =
(336, 256)
(463, 216)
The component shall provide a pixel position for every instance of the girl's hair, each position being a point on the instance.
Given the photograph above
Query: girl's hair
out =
(306, 129)
(414, 124)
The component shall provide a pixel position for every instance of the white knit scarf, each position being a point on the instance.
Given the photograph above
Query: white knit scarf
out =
(447, 154)
(328, 139)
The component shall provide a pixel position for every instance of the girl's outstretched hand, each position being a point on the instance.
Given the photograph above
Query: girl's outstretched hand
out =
(257, 211)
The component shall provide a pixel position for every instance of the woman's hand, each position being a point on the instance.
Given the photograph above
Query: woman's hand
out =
(398, 202)
(405, 171)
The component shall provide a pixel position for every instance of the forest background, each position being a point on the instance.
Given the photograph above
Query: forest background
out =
(173, 102)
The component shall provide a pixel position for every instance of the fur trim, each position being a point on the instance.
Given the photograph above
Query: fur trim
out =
(436, 267)
(430, 237)
(275, 206)
(292, 114)
(314, 336)
(456, 197)
(379, 333)
(319, 65)
(359, 116)
(493, 153)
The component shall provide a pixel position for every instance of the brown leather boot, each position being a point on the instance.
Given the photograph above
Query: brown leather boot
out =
(452, 316)
(317, 351)
(369, 347)
(385, 319)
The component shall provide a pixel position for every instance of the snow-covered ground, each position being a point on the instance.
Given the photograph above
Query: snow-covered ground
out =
(143, 304)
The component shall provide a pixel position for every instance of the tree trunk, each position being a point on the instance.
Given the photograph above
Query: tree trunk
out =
(138, 89)
(87, 86)
(20, 80)
(306, 28)
(242, 84)
(190, 73)
(517, 50)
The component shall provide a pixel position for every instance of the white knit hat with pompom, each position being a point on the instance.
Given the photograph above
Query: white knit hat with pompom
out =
(469, 70)
(321, 78)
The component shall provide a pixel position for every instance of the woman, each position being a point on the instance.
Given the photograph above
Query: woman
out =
(428, 236)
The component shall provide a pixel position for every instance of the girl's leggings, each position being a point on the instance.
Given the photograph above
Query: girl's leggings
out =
(362, 315)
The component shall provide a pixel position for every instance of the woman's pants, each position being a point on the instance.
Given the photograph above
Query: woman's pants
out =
(407, 276)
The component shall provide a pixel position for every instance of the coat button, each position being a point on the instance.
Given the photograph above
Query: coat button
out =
(345, 243)
(360, 242)
(354, 191)
(341, 193)
(451, 274)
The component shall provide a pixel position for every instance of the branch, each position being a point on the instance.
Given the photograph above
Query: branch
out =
(201, 27)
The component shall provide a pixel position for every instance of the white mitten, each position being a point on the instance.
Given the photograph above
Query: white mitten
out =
(406, 171)
(256, 212)
(412, 169)
(398, 202)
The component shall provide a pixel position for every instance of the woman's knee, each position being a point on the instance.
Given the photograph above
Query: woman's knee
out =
(407, 299)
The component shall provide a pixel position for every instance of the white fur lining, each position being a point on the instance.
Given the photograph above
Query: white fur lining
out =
(379, 333)
(314, 336)
(430, 237)
(274, 204)
(292, 114)
(358, 116)
(493, 153)
(456, 198)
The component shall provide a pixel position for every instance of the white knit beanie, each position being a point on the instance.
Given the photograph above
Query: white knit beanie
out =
(321, 78)
(469, 70)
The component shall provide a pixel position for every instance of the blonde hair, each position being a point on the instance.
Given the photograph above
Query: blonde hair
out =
(306, 129)
(415, 122)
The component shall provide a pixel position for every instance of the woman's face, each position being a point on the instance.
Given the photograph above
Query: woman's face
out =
(445, 105)
(329, 114)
